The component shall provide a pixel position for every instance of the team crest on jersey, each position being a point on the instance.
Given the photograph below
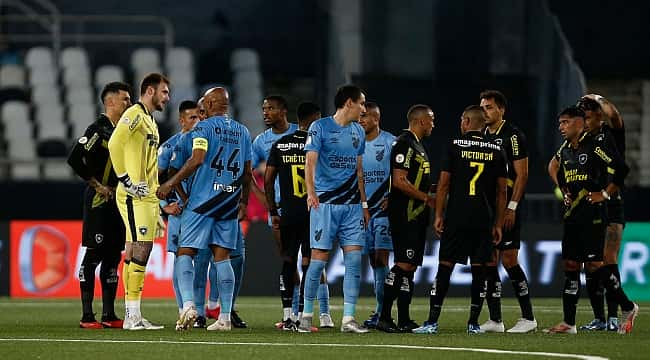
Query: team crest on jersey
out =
(410, 253)
(380, 155)
(83, 140)
(99, 238)
(582, 159)
(355, 141)
(498, 141)
(399, 158)
(318, 234)
(600, 137)
(143, 230)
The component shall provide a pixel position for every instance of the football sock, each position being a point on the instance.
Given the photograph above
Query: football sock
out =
(185, 273)
(312, 281)
(595, 293)
(125, 277)
(493, 294)
(439, 290)
(520, 286)
(391, 291)
(380, 276)
(136, 279)
(612, 304)
(404, 297)
(213, 296)
(613, 285)
(238, 263)
(109, 279)
(177, 290)
(226, 284)
(201, 264)
(478, 293)
(287, 286)
(351, 281)
(87, 282)
(324, 297)
(570, 296)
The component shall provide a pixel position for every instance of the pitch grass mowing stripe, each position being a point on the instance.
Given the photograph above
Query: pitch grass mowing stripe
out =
(385, 346)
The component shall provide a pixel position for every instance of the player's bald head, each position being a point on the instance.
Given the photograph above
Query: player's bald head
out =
(476, 117)
(216, 101)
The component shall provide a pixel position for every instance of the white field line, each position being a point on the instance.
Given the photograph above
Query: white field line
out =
(385, 346)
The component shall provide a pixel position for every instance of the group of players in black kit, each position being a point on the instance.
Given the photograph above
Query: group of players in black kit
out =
(483, 176)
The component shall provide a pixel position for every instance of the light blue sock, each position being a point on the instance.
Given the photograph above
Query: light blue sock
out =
(324, 298)
(380, 277)
(214, 284)
(237, 263)
(177, 291)
(351, 281)
(185, 273)
(226, 284)
(295, 302)
(311, 285)
(201, 263)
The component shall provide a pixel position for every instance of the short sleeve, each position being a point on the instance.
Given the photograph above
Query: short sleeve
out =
(314, 137)
(447, 158)
(164, 155)
(273, 159)
(247, 146)
(257, 153)
(401, 155)
(501, 165)
(362, 135)
(518, 146)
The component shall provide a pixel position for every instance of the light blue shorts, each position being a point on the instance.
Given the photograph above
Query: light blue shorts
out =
(199, 231)
(378, 235)
(331, 222)
(173, 232)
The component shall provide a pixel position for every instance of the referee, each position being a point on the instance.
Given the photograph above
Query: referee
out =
(103, 229)
(408, 216)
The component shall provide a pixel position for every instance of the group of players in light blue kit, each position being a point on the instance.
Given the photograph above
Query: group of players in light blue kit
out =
(208, 167)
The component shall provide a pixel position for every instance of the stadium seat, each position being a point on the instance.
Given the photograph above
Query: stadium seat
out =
(15, 117)
(182, 93)
(42, 75)
(49, 119)
(106, 74)
(80, 116)
(45, 94)
(39, 57)
(18, 132)
(82, 95)
(181, 76)
(57, 169)
(244, 59)
(76, 76)
(73, 57)
(179, 57)
(246, 79)
(12, 76)
(145, 60)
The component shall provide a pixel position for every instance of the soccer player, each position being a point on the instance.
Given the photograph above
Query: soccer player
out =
(408, 212)
(218, 158)
(336, 198)
(103, 232)
(376, 167)
(287, 162)
(513, 142)
(589, 171)
(473, 174)
(188, 112)
(133, 149)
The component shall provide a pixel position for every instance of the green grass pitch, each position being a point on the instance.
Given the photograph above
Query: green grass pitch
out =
(48, 329)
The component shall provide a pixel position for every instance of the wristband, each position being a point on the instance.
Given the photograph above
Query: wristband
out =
(364, 204)
(512, 205)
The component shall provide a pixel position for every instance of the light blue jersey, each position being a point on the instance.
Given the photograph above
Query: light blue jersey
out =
(376, 171)
(216, 188)
(336, 171)
(262, 148)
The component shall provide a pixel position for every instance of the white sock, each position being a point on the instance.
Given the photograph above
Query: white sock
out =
(347, 319)
(287, 313)
(224, 316)
(132, 308)
(188, 304)
(212, 304)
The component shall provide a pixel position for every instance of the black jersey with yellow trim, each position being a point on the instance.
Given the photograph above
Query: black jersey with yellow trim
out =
(514, 144)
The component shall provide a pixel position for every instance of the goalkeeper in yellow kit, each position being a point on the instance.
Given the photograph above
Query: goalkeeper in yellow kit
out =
(134, 152)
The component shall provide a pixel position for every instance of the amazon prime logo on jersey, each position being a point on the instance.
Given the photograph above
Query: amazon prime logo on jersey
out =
(582, 159)
(355, 140)
(380, 155)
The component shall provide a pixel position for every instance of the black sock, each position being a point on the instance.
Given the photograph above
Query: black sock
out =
(595, 292)
(439, 292)
(287, 283)
(87, 283)
(520, 286)
(612, 304)
(493, 293)
(570, 296)
(478, 294)
(109, 280)
(404, 298)
(391, 291)
(613, 285)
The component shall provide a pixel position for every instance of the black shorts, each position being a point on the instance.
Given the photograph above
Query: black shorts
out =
(459, 243)
(583, 242)
(294, 237)
(511, 238)
(408, 239)
(102, 226)
(616, 210)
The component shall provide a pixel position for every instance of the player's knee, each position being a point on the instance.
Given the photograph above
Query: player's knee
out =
(509, 259)
(593, 266)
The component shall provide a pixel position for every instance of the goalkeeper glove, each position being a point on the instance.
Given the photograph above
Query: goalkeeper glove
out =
(137, 190)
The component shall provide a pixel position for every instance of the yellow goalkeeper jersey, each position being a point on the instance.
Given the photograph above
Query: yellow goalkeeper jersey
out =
(134, 148)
